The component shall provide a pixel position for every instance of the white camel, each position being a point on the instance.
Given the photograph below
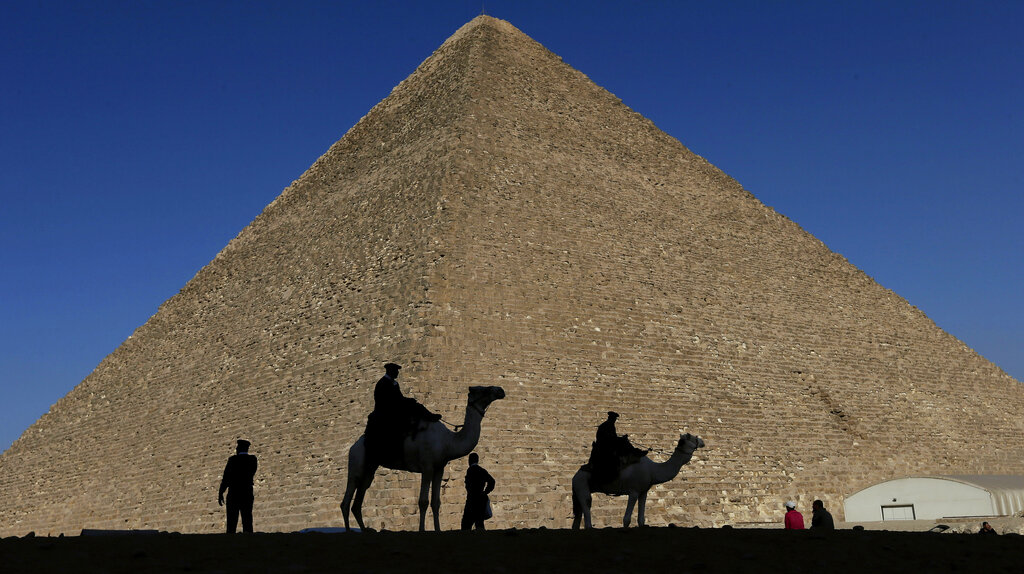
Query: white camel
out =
(427, 453)
(634, 480)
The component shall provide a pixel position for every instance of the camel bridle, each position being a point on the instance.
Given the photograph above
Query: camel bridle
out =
(473, 405)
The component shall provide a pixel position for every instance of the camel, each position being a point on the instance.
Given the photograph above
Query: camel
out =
(427, 453)
(634, 480)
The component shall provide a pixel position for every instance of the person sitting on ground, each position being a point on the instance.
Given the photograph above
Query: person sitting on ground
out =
(986, 528)
(794, 520)
(821, 519)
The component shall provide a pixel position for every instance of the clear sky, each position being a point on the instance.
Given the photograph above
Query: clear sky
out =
(138, 138)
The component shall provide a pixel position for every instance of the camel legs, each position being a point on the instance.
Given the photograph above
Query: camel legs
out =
(642, 505)
(430, 484)
(357, 508)
(581, 501)
(634, 498)
(585, 501)
(346, 503)
(629, 509)
(359, 481)
(435, 497)
(588, 499)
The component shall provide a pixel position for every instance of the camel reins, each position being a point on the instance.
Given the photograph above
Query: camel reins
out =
(654, 450)
(457, 427)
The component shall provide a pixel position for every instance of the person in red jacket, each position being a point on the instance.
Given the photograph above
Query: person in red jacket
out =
(794, 520)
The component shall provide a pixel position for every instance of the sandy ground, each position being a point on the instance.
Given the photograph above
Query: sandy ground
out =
(675, 550)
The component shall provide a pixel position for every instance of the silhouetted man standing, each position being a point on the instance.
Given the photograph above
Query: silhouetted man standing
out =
(479, 483)
(237, 481)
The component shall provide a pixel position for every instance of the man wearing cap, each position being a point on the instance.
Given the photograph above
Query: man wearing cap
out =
(237, 481)
(394, 414)
(387, 394)
(794, 520)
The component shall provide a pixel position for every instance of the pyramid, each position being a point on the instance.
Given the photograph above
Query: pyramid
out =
(499, 219)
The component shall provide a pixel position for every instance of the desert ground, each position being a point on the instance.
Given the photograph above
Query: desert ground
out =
(661, 549)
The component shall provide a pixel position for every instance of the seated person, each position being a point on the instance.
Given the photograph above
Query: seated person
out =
(394, 416)
(611, 452)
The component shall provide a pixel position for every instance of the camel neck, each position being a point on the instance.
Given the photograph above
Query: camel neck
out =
(666, 471)
(467, 437)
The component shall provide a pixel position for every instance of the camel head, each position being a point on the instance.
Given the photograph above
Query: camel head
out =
(482, 397)
(689, 443)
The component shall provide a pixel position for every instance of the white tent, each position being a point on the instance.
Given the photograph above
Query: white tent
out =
(931, 497)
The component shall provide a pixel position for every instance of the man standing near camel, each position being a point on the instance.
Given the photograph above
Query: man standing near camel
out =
(479, 483)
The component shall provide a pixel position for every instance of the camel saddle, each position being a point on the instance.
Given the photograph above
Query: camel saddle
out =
(386, 431)
(606, 463)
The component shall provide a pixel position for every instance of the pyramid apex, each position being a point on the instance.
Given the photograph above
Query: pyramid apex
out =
(483, 20)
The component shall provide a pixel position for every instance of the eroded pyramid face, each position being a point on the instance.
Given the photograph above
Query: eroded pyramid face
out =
(501, 220)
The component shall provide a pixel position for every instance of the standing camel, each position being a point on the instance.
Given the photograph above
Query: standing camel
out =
(634, 480)
(427, 453)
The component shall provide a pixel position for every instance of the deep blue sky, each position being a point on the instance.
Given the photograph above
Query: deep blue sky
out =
(137, 138)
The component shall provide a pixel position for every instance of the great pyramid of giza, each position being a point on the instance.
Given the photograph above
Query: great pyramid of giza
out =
(499, 219)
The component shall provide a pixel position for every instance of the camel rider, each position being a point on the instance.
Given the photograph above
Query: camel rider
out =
(387, 394)
(608, 439)
(606, 435)
(394, 415)
(611, 452)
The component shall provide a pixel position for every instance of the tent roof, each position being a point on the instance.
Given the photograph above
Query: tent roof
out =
(1007, 490)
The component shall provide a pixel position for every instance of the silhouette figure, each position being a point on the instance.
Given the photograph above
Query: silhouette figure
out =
(634, 481)
(237, 481)
(394, 415)
(794, 520)
(821, 519)
(426, 452)
(611, 452)
(479, 483)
